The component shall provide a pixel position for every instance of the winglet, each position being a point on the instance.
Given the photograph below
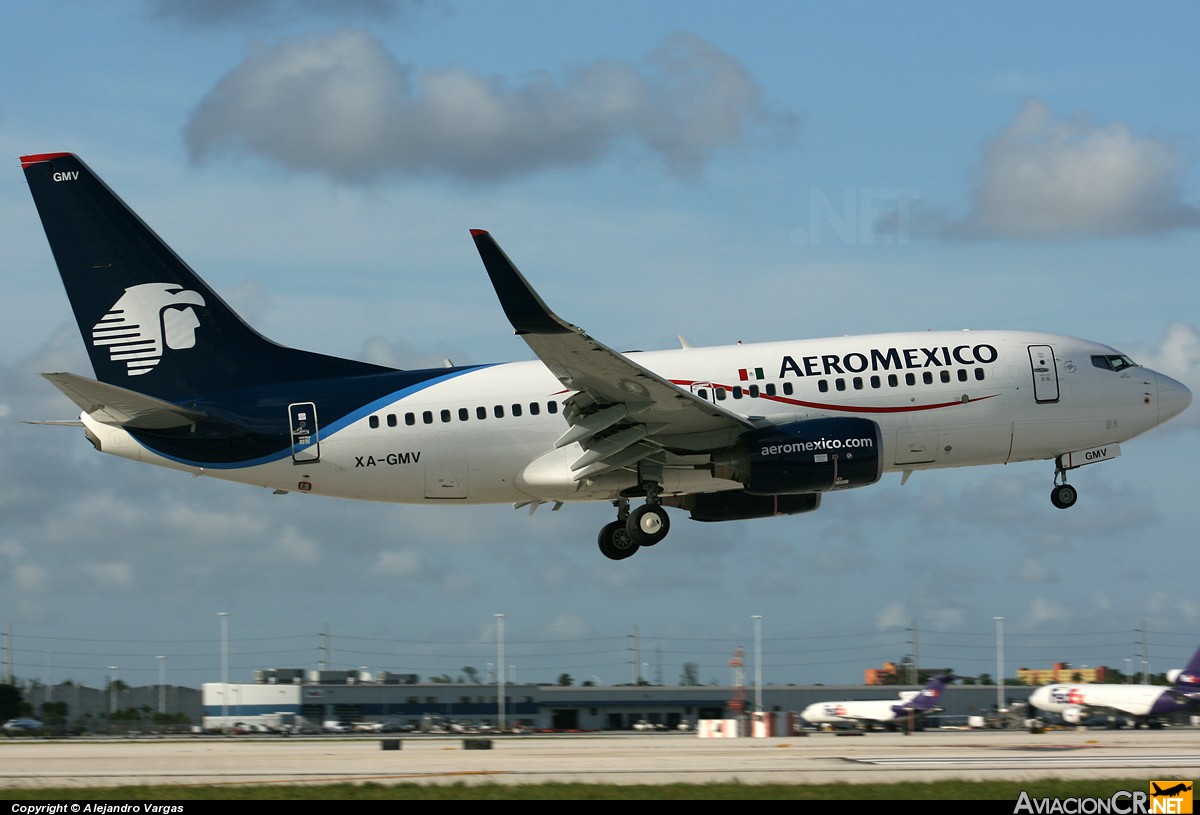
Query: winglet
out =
(522, 305)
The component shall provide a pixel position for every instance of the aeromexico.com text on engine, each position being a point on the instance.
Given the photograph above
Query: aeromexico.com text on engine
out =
(817, 446)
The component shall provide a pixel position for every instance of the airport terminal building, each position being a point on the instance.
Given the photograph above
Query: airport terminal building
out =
(348, 699)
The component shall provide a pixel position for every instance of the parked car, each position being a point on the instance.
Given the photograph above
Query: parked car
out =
(22, 725)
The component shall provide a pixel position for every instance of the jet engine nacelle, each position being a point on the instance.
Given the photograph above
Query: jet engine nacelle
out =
(736, 505)
(1075, 715)
(812, 455)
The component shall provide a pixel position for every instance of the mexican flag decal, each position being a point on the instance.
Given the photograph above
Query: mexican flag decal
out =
(753, 373)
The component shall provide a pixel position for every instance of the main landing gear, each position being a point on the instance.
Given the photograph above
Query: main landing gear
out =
(645, 526)
(1062, 495)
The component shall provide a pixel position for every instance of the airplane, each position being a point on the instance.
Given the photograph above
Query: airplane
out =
(724, 433)
(1143, 704)
(1171, 791)
(867, 713)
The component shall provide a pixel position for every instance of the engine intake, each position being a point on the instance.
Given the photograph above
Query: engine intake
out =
(812, 455)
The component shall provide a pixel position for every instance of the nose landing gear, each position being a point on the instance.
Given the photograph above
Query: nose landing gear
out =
(1062, 495)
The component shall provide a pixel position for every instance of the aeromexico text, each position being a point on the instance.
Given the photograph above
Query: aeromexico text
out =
(888, 359)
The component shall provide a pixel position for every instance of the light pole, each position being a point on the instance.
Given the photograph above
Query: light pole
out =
(224, 615)
(757, 662)
(112, 693)
(500, 673)
(999, 663)
(162, 685)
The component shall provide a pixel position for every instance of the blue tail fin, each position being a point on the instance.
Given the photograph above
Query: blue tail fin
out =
(150, 324)
(1188, 680)
(931, 695)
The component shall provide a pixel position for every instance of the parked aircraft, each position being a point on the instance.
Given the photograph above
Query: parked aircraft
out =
(867, 713)
(724, 433)
(1144, 704)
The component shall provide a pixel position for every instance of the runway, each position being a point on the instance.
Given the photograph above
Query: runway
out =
(650, 758)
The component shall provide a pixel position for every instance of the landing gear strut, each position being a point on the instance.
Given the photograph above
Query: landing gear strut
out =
(645, 526)
(1062, 495)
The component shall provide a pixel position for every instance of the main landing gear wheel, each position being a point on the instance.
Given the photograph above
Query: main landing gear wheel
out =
(648, 524)
(1063, 495)
(615, 541)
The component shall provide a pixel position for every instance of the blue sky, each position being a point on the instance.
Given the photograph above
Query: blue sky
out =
(724, 172)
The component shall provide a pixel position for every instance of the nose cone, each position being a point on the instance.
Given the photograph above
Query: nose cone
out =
(1173, 397)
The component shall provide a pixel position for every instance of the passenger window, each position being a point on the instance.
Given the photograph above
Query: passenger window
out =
(373, 422)
(552, 407)
(875, 383)
(823, 385)
(481, 412)
(962, 374)
(720, 392)
(945, 376)
(463, 414)
(927, 377)
(498, 411)
(534, 408)
(516, 410)
(737, 391)
(427, 417)
(787, 388)
(839, 384)
(893, 381)
(445, 415)
(702, 393)
(858, 383)
(391, 420)
(753, 391)
(979, 374)
(910, 379)
(770, 389)
(410, 419)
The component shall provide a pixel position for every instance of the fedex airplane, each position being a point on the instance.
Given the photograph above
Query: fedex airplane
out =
(1144, 704)
(866, 713)
(722, 433)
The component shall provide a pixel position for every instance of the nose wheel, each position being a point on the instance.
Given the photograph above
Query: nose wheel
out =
(1063, 495)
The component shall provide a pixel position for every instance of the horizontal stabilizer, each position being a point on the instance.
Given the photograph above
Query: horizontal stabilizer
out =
(112, 405)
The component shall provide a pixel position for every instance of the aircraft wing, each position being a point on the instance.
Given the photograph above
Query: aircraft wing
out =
(612, 391)
(117, 406)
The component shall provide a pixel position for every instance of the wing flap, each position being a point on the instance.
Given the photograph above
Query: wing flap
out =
(121, 407)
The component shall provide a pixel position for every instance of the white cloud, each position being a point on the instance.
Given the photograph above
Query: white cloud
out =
(1033, 570)
(340, 105)
(1043, 178)
(893, 615)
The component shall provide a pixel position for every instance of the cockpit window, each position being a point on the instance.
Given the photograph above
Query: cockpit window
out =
(1112, 362)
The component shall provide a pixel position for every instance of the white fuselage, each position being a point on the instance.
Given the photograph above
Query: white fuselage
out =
(1132, 700)
(863, 711)
(941, 399)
